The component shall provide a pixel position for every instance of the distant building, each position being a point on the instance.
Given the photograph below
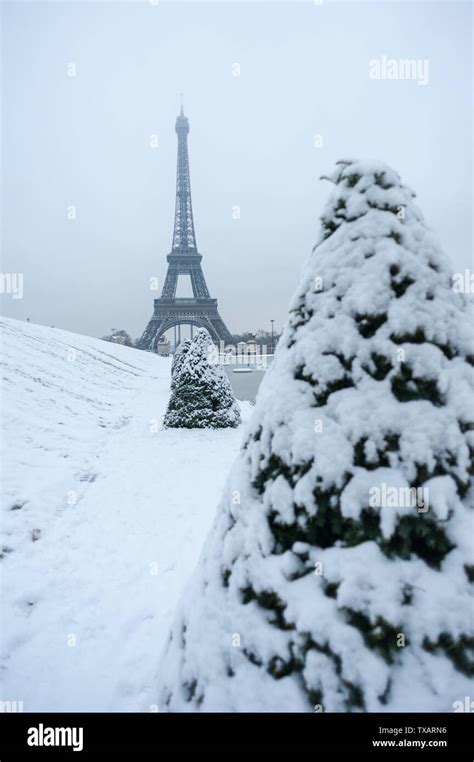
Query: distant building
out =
(163, 347)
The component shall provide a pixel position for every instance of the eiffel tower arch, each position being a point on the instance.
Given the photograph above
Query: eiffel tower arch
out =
(200, 310)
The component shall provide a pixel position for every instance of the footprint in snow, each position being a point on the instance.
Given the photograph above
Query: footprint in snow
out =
(88, 478)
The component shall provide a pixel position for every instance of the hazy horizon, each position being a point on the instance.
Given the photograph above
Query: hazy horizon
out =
(86, 141)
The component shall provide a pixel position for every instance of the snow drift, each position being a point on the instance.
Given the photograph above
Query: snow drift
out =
(103, 518)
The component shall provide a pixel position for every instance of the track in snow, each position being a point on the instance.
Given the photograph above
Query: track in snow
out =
(120, 507)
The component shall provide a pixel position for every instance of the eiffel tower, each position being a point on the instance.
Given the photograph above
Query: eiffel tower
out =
(199, 310)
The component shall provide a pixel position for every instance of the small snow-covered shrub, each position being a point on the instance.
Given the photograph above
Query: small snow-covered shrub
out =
(178, 359)
(316, 587)
(201, 395)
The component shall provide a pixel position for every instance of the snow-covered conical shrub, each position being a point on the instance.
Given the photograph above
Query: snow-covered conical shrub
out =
(201, 396)
(178, 360)
(318, 587)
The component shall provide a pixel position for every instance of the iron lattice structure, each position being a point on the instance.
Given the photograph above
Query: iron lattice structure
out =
(199, 310)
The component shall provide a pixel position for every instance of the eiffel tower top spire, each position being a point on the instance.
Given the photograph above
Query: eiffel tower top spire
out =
(184, 238)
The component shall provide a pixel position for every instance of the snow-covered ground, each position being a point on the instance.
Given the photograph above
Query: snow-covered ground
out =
(104, 514)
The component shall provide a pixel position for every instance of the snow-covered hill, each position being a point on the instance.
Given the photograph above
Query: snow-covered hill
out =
(103, 517)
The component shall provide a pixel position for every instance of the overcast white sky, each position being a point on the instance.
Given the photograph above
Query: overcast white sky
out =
(304, 70)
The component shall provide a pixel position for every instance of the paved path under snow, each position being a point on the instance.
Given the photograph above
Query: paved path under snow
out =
(122, 508)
